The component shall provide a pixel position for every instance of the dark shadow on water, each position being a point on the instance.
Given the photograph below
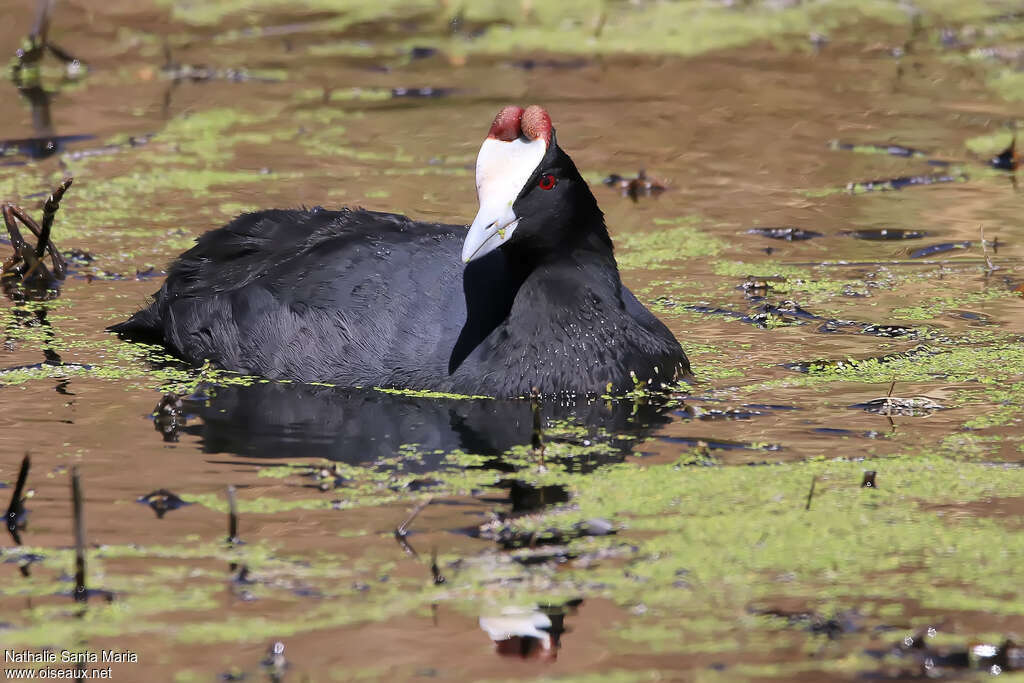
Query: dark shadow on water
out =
(282, 420)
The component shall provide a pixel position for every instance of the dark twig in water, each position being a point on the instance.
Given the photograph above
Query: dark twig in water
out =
(402, 530)
(232, 515)
(16, 510)
(81, 594)
(810, 494)
(868, 482)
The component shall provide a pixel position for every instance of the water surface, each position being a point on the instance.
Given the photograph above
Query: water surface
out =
(721, 567)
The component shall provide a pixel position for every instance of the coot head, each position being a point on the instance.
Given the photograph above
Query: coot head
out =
(532, 197)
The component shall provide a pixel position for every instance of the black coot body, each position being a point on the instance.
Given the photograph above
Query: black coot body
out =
(365, 299)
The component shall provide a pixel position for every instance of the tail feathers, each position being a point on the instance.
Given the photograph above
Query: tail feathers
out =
(145, 326)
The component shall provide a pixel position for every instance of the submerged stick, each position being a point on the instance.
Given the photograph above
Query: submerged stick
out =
(81, 594)
(17, 507)
(810, 494)
(232, 515)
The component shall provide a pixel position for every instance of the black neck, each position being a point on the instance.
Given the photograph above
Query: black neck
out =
(491, 284)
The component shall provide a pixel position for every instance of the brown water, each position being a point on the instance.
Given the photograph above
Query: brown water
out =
(738, 137)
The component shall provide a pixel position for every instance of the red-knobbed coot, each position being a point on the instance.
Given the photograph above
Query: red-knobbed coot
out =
(532, 298)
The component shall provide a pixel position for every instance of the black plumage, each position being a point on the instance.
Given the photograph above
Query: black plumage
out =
(367, 299)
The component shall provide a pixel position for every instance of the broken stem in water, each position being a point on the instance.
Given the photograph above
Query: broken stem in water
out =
(81, 594)
(49, 211)
(232, 515)
(537, 437)
(17, 507)
(810, 494)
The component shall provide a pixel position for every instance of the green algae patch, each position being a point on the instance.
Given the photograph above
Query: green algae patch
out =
(712, 362)
(688, 27)
(762, 269)
(932, 308)
(1008, 84)
(168, 581)
(135, 365)
(672, 241)
(988, 364)
(202, 14)
(991, 144)
(263, 505)
(418, 393)
(706, 544)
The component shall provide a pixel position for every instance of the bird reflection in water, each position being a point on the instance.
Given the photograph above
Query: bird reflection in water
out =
(531, 633)
(292, 420)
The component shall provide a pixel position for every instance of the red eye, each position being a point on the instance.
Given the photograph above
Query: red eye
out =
(546, 182)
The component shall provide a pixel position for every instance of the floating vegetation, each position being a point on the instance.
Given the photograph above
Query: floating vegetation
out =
(892, 150)
(787, 234)
(1008, 159)
(200, 74)
(852, 364)
(902, 182)
(672, 240)
(786, 313)
(426, 92)
(766, 315)
(162, 501)
(692, 412)
(915, 406)
(710, 444)
(886, 234)
(934, 249)
(636, 187)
